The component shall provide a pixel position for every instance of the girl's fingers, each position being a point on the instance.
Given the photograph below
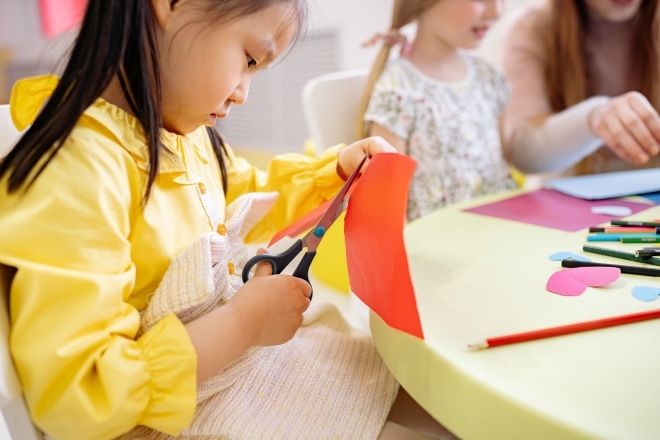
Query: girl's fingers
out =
(351, 156)
(262, 268)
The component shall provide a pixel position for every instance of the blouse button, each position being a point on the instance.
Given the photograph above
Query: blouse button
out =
(202, 187)
(222, 229)
(231, 268)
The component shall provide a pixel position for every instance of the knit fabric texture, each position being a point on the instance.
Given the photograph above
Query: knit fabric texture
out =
(328, 382)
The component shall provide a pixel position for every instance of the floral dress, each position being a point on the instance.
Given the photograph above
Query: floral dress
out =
(451, 129)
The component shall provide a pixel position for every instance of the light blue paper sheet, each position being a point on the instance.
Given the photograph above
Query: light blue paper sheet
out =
(609, 185)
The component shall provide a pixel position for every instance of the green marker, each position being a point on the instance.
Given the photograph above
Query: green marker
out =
(640, 239)
(635, 223)
(619, 254)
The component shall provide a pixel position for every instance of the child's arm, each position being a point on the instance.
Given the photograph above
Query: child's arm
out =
(378, 130)
(303, 182)
(74, 329)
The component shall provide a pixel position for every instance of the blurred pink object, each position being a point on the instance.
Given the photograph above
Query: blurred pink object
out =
(60, 15)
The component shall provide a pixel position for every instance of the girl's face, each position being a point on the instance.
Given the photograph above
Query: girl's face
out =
(613, 10)
(461, 23)
(206, 68)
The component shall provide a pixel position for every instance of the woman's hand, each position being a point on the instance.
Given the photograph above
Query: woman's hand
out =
(350, 157)
(630, 127)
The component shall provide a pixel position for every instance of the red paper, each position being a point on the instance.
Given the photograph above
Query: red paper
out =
(553, 209)
(60, 15)
(375, 250)
(373, 229)
(310, 219)
(302, 224)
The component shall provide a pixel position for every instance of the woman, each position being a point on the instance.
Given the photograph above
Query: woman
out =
(585, 92)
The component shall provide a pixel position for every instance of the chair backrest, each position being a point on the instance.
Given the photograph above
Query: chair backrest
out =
(330, 104)
(15, 422)
(8, 133)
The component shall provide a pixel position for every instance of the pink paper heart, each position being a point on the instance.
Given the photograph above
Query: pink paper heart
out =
(574, 281)
(562, 283)
(595, 276)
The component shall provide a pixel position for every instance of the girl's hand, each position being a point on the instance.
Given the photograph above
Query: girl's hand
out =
(350, 157)
(271, 306)
(630, 127)
(267, 310)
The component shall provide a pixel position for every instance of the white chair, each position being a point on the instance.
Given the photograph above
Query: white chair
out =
(330, 105)
(15, 422)
(8, 133)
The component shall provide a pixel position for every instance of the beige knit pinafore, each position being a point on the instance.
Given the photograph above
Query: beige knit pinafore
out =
(328, 382)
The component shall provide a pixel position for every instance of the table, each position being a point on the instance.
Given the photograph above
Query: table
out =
(478, 276)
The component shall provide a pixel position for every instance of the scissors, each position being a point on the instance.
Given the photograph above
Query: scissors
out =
(311, 240)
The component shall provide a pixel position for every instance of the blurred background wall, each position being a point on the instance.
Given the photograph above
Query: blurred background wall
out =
(271, 120)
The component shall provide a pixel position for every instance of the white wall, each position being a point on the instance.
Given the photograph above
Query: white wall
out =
(20, 29)
(24, 51)
(368, 17)
(355, 21)
(20, 32)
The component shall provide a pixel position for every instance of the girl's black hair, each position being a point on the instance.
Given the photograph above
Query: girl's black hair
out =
(116, 38)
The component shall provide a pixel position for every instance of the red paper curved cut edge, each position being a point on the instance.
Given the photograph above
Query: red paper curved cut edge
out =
(375, 250)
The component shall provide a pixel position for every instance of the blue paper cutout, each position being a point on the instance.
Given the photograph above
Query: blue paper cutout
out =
(654, 197)
(646, 293)
(564, 255)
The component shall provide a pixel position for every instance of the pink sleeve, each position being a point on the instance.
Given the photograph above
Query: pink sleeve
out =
(523, 60)
(535, 140)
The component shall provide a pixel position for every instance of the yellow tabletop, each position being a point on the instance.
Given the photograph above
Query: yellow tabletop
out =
(478, 276)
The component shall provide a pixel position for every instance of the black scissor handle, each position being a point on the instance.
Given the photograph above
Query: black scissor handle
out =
(279, 261)
(302, 271)
(252, 263)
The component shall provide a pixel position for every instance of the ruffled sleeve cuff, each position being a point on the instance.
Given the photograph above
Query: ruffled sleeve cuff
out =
(172, 362)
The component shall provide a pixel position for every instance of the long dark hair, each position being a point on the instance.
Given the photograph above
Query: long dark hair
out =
(117, 38)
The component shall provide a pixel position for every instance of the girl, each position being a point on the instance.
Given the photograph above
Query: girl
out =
(439, 104)
(585, 91)
(123, 212)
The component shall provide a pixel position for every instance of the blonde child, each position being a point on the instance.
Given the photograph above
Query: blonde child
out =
(585, 92)
(122, 215)
(440, 104)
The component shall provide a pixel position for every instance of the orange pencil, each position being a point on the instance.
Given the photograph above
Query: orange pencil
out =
(565, 329)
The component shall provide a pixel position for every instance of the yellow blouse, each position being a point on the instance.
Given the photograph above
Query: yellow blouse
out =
(88, 253)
